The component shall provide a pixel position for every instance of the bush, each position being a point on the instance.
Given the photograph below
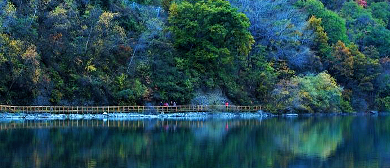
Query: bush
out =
(310, 93)
(384, 104)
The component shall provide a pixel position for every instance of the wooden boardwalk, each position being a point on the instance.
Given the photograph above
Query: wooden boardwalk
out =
(126, 109)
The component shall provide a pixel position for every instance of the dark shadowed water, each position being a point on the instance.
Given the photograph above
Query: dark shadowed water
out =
(339, 141)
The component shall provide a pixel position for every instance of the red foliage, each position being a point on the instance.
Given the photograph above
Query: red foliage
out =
(56, 37)
(385, 62)
(362, 3)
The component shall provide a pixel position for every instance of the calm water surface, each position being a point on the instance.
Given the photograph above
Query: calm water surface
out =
(341, 141)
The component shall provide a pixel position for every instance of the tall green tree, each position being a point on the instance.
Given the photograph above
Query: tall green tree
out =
(381, 11)
(210, 36)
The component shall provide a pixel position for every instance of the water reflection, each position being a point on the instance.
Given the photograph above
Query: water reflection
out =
(277, 142)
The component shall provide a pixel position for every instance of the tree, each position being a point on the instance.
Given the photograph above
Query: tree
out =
(364, 29)
(209, 35)
(21, 71)
(379, 37)
(341, 63)
(320, 46)
(355, 72)
(310, 93)
(333, 5)
(334, 25)
(366, 71)
(155, 66)
(358, 20)
(281, 28)
(362, 3)
(381, 11)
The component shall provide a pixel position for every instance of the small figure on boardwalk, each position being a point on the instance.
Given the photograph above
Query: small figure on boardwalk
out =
(227, 105)
(166, 104)
(174, 104)
(161, 104)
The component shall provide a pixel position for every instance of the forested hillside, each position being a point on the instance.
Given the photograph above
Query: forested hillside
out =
(287, 55)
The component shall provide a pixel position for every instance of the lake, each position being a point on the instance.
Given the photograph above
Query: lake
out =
(299, 142)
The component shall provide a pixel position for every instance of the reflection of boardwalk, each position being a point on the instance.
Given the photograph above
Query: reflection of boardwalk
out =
(126, 109)
(36, 124)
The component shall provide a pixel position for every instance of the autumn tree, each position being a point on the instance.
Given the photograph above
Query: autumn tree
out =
(320, 45)
(21, 70)
(341, 63)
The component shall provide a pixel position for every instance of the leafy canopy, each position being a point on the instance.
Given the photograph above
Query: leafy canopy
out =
(209, 35)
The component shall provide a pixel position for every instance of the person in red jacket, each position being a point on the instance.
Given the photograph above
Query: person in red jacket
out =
(226, 105)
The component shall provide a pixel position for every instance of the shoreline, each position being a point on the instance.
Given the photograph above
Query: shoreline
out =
(187, 115)
(135, 116)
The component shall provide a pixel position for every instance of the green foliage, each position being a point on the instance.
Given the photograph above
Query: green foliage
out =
(205, 42)
(310, 93)
(354, 70)
(321, 39)
(166, 4)
(379, 37)
(333, 5)
(260, 77)
(136, 52)
(345, 106)
(381, 11)
(364, 29)
(384, 104)
(358, 20)
(132, 93)
(341, 62)
(20, 67)
(333, 24)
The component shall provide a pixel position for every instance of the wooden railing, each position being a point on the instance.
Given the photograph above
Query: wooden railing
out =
(126, 109)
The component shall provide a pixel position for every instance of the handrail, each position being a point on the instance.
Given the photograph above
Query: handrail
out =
(127, 109)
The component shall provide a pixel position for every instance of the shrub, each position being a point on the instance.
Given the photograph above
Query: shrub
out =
(310, 93)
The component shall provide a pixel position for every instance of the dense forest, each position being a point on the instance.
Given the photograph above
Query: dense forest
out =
(287, 55)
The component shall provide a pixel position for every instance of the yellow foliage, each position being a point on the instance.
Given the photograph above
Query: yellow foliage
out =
(10, 8)
(59, 11)
(90, 68)
(106, 18)
(30, 53)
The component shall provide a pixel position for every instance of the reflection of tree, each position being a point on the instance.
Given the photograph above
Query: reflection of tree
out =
(311, 138)
(275, 142)
(211, 131)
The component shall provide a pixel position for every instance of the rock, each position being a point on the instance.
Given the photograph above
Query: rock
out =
(373, 112)
(291, 115)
